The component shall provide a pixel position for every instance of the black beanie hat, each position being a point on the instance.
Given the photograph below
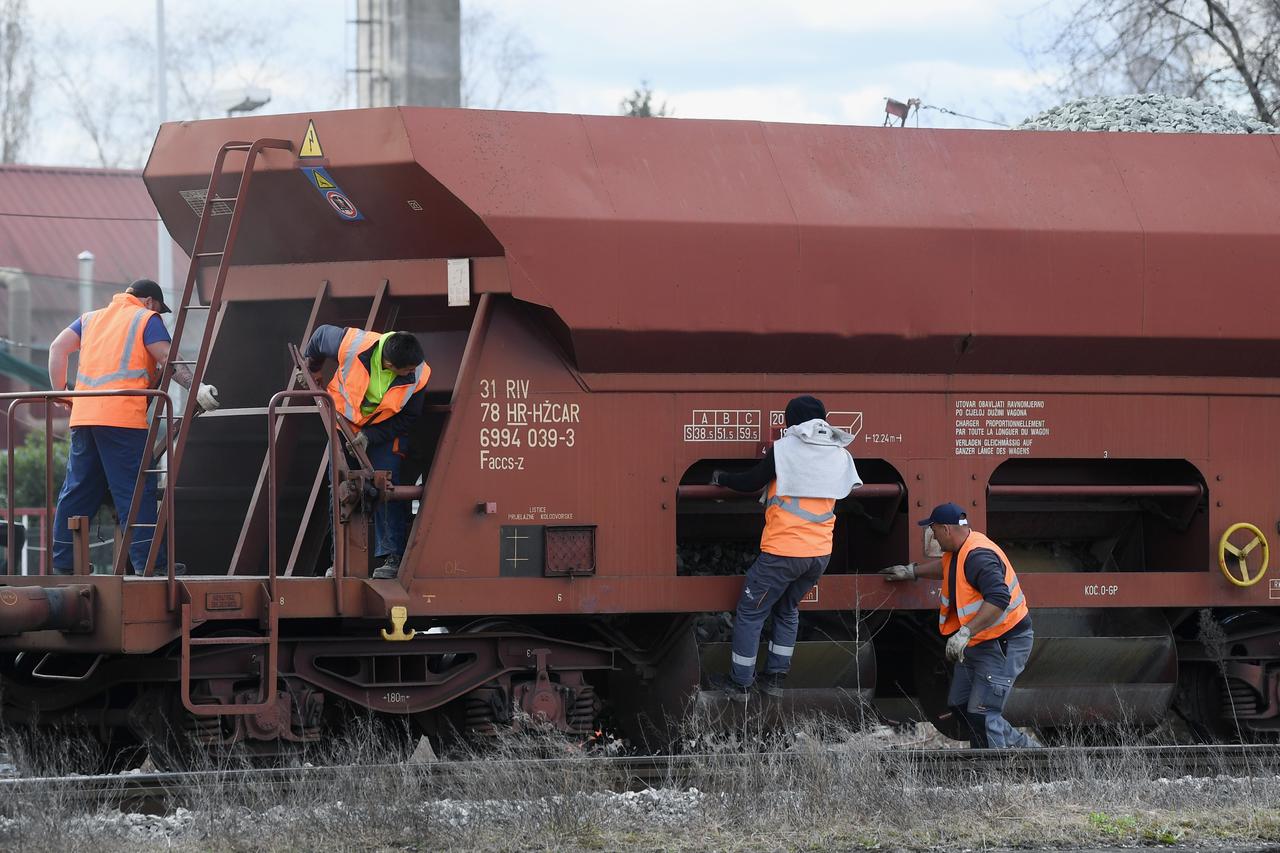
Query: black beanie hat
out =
(806, 408)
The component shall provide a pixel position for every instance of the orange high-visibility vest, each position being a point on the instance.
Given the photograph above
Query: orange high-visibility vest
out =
(114, 357)
(351, 380)
(797, 527)
(951, 615)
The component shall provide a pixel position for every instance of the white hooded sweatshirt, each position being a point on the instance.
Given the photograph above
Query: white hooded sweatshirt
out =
(812, 462)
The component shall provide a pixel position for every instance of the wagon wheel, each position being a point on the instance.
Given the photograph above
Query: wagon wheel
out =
(1232, 556)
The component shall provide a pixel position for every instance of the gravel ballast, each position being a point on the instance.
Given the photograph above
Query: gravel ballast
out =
(1144, 114)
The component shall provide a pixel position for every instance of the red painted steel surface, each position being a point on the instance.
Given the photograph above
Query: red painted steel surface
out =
(916, 280)
(666, 244)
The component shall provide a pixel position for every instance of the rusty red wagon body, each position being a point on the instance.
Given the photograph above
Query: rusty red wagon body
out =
(1068, 334)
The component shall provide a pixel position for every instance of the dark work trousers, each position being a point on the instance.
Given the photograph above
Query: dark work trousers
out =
(981, 686)
(390, 518)
(102, 459)
(774, 585)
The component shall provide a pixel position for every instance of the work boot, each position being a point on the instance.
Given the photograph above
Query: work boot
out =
(732, 690)
(389, 568)
(770, 684)
(179, 569)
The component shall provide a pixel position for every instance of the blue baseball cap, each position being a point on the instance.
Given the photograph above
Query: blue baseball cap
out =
(944, 514)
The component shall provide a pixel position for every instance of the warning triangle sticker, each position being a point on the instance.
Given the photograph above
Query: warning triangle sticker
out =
(311, 142)
(322, 182)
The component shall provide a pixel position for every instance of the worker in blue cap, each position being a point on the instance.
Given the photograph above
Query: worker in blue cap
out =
(984, 611)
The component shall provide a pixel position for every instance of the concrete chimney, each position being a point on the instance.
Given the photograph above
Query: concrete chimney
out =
(86, 281)
(408, 53)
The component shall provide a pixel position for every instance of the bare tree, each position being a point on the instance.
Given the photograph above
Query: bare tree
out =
(109, 93)
(210, 52)
(17, 79)
(103, 99)
(501, 69)
(1213, 50)
(639, 104)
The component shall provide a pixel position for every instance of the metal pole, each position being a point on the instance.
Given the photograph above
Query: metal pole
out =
(86, 281)
(164, 246)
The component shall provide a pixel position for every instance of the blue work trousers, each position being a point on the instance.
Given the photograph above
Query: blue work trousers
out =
(981, 686)
(390, 518)
(102, 459)
(774, 585)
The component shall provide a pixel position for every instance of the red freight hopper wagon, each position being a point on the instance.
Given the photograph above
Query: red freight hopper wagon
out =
(1066, 333)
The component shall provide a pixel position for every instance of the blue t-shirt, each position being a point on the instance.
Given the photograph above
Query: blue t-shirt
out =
(154, 333)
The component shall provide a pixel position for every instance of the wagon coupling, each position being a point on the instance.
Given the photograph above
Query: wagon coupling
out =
(67, 608)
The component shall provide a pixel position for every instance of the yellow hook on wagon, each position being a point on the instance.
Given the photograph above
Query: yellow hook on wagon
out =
(1241, 554)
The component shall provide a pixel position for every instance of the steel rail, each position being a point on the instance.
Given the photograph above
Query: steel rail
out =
(160, 791)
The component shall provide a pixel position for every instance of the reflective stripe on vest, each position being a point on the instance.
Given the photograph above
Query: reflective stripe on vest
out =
(114, 357)
(969, 601)
(122, 371)
(351, 380)
(354, 342)
(797, 527)
(792, 505)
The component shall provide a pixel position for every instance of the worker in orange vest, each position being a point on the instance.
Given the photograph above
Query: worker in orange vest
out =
(122, 346)
(378, 389)
(805, 471)
(984, 611)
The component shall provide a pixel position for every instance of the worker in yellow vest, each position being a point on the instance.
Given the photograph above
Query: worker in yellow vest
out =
(378, 388)
(122, 346)
(804, 473)
(984, 611)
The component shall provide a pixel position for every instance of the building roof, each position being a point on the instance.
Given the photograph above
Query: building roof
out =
(49, 215)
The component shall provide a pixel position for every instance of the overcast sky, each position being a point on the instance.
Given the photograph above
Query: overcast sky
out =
(828, 61)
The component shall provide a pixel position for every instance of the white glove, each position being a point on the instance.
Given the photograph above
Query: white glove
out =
(207, 397)
(360, 442)
(899, 573)
(957, 643)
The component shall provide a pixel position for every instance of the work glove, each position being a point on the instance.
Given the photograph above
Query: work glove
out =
(715, 477)
(899, 573)
(360, 442)
(207, 397)
(956, 644)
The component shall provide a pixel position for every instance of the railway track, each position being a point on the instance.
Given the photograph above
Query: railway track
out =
(161, 792)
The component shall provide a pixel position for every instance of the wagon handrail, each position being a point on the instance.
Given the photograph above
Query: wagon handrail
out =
(18, 399)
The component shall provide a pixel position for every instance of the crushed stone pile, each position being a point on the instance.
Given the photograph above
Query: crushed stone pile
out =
(1145, 114)
(727, 557)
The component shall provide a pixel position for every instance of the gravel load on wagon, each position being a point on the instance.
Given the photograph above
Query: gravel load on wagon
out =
(1145, 114)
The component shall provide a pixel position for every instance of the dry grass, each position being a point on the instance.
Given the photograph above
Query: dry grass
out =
(819, 787)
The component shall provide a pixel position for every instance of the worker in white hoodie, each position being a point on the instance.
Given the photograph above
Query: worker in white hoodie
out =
(806, 472)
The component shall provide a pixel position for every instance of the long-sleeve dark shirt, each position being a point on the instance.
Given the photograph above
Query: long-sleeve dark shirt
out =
(325, 342)
(753, 479)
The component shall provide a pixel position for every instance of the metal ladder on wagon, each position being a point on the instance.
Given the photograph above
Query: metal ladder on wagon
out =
(200, 256)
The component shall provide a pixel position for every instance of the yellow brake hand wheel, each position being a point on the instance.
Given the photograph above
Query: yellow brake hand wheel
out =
(1239, 554)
